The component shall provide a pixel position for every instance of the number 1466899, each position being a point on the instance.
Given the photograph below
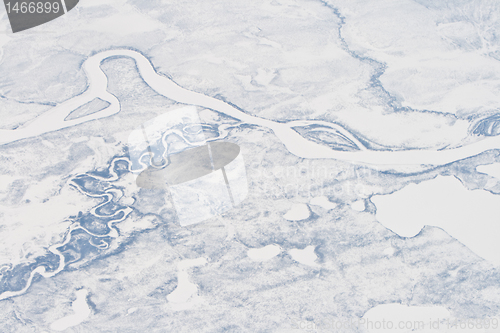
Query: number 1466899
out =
(33, 7)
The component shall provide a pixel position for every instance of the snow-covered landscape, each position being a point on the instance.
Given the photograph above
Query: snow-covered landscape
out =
(251, 166)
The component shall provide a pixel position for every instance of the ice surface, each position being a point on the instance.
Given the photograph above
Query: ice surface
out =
(491, 169)
(358, 205)
(265, 253)
(297, 212)
(304, 256)
(81, 312)
(472, 217)
(323, 201)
